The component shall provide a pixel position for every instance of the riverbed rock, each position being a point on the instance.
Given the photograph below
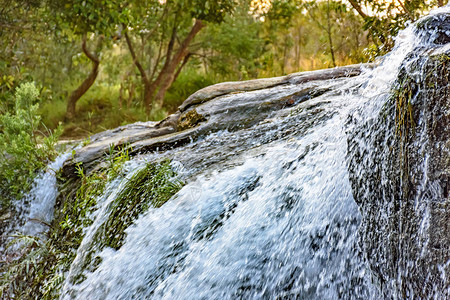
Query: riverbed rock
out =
(101, 144)
(399, 168)
(211, 109)
(224, 88)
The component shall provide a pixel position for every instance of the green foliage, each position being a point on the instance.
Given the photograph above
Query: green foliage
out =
(211, 10)
(42, 41)
(186, 84)
(38, 267)
(84, 16)
(18, 278)
(402, 95)
(7, 83)
(387, 18)
(150, 186)
(22, 150)
(232, 49)
(98, 110)
(283, 11)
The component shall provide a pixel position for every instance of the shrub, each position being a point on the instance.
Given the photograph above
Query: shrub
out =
(23, 151)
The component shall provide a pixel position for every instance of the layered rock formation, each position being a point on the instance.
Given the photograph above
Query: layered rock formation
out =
(400, 167)
(208, 110)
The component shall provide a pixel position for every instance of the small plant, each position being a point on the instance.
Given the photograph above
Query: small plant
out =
(86, 141)
(31, 263)
(116, 158)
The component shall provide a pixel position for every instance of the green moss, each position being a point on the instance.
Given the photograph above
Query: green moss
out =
(434, 68)
(189, 120)
(402, 96)
(151, 186)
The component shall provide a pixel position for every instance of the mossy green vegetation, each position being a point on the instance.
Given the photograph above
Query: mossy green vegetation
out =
(408, 87)
(402, 97)
(190, 120)
(38, 266)
(151, 186)
(422, 78)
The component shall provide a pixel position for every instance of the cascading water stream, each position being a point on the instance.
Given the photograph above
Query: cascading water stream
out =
(278, 222)
(42, 198)
(267, 212)
(35, 210)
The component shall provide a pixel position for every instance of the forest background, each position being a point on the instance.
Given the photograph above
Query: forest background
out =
(98, 64)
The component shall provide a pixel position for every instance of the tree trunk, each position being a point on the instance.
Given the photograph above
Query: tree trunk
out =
(167, 75)
(330, 39)
(159, 99)
(121, 95)
(88, 82)
(130, 94)
(166, 67)
(147, 95)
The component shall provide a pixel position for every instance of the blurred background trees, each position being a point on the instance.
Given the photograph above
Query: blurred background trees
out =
(100, 64)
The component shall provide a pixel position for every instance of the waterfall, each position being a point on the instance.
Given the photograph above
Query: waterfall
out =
(41, 199)
(268, 211)
(281, 224)
(275, 220)
(35, 210)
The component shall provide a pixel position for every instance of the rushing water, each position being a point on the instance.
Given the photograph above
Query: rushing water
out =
(38, 206)
(271, 217)
(274, 220)
(35, 210)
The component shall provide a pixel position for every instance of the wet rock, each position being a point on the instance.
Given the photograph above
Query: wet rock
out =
(435, 29)
(100, 144)
(224, 88)
(209, 110)
(399, 166)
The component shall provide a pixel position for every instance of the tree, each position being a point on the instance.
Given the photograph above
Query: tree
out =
(385, 18)
(277, 20)
(231, 50)
(325, 15)
(89, 81)
(166, 30)
(88, 18)
(18, 20)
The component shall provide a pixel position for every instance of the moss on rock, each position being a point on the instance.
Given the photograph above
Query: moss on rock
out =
(151, 186)
(190, 119)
